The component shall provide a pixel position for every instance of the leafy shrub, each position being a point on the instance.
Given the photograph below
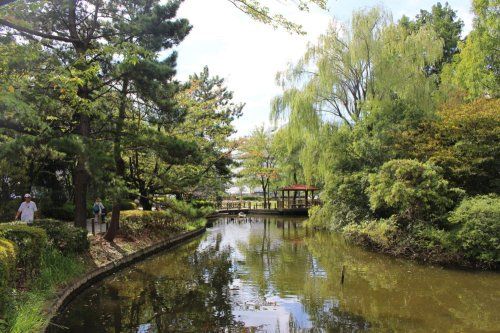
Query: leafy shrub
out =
(412, 190)
(64, 236)
(201, 204)
(379, 233)
(8, 210)
(30, 241)
(133, 223)
(127, 205)
(344, 200)
(478, 222)
(63, 213)
(7, 270)
(184, 209)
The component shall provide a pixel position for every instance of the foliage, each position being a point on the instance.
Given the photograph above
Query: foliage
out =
(344, 202)
(463, 139)
(262, 13)
(65, 237)
(7, 272)
(8, 209)
(178, 216)
(475, 69)
(258, 161)
(377, 233)
(371, 58)
(89, 103)
(470, 148)
(411, 190)
(64, 213)
(443, 19)
(31, 242)
(478, 222)
(28, 312)
(127, 205)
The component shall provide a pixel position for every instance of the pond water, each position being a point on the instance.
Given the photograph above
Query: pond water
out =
(270, 274)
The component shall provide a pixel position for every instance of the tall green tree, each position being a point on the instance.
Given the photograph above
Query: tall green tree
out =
(86, 36)
(475, 71)
(448, 26)
(258, 161)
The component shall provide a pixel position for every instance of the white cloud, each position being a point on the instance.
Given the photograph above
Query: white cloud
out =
(247, 53)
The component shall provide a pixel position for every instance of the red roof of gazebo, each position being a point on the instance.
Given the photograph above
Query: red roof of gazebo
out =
(299, 187)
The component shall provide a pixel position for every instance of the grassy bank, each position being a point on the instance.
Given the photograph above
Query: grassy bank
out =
(37, 262)
(27, 308)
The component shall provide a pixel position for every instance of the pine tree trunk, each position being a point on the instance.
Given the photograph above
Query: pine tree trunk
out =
(114, 225)
(145, 202)
(81, 176)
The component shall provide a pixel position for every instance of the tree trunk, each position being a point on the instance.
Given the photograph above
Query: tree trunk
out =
(145, 202)
(265, 196)
(119, 163)
(81, 176)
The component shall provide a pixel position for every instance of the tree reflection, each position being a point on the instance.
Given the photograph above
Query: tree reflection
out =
(189, 292)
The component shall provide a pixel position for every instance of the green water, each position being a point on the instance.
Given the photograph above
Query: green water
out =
(271, 275)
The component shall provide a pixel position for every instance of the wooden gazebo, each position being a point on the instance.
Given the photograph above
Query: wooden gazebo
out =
(295, 201)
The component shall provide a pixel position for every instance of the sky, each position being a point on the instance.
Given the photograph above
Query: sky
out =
(248, 54)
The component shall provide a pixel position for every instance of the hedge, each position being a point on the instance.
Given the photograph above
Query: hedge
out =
(135, 222)
(7, 270)
(63, 213)
(30, 242)
(64, 236)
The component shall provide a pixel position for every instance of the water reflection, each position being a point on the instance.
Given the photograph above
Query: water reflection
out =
(270, 274)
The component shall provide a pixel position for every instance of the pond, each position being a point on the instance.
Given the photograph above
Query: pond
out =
(270, 274)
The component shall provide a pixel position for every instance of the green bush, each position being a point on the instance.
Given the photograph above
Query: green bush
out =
(201, 204)
(64, 236)
(478, 223)
(345, 202)
(30, 242)
(127, 205)
(378, 233)
(7, 271)
(8, 210)
(64, 213)
(412, 190)
(134, 223)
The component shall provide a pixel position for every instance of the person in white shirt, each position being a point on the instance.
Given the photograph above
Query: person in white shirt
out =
(27, 210)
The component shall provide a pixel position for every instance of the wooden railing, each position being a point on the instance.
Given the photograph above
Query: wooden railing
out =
(273, 204)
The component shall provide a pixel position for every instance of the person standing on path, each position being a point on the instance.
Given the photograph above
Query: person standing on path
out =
(27, 210)
(97, 209)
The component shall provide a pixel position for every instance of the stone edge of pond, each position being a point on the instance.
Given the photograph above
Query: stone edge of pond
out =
(73, 290)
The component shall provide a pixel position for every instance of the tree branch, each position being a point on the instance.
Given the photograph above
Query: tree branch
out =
(36, 33)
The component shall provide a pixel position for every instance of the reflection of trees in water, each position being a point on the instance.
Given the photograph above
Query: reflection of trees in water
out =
(399, 295)
(185, 292)
(279, 261)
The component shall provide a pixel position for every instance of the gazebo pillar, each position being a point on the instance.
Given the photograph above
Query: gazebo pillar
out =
(307, 194)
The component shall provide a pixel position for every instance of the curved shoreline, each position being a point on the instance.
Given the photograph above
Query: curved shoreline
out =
(74, 289)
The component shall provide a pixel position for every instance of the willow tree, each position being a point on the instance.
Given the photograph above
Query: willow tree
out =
(369, 59)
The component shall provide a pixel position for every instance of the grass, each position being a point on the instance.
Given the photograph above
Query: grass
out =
(27, 314)
(196, 224)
